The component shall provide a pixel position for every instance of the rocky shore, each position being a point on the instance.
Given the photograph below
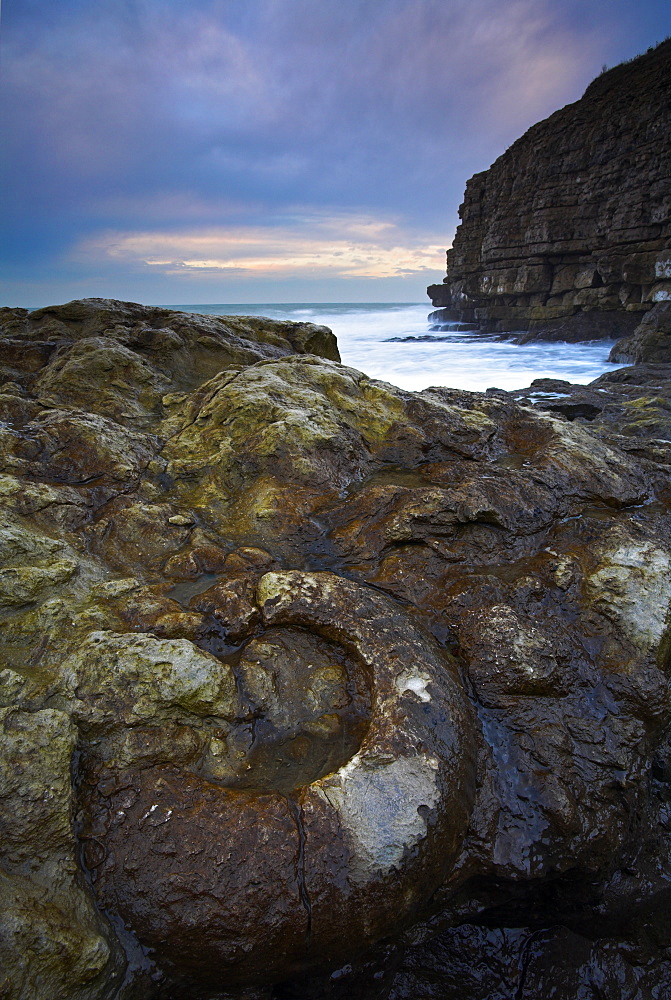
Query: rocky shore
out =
(314, 687)
(568, 234)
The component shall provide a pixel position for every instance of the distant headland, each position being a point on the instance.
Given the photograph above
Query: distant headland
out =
(568, 234)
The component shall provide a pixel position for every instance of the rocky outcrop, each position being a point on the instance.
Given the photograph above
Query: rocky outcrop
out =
(568, 234)
(315, 687)
(651, 340)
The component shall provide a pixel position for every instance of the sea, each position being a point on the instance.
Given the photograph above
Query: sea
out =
(397, 342)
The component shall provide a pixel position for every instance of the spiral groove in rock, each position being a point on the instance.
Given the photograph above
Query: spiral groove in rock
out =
(246, 886)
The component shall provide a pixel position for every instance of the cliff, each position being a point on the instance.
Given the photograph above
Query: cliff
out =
(568, 234)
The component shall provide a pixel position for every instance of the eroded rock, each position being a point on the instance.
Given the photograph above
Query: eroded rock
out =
(650, 342)
(311, 685)
(53, 941)
(365, 840)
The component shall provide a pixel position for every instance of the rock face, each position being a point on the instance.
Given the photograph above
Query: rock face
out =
(313, 687)
(568, 234)
(650, 341)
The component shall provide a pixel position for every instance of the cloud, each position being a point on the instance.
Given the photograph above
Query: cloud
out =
(159, 119)
(300, 246)
(348, 97)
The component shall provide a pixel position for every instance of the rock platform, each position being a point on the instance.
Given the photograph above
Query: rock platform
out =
(314, 687)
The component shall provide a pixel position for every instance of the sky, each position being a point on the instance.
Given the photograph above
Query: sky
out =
(214, 151)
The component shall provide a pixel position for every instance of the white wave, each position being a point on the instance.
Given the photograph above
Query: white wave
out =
(454, 358)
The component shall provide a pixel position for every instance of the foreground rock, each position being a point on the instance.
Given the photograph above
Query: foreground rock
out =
(315, 687)
(568, 234)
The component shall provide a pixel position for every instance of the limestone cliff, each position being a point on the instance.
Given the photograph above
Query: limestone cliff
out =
(568, 234)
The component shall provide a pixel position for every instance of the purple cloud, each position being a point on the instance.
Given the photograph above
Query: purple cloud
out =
(154, 115)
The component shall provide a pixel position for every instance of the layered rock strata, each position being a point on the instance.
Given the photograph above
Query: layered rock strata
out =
(315, 687)
(568, 234)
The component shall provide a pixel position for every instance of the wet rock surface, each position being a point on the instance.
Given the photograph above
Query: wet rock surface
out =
(568, 234)
(313, 687)
(650, 342)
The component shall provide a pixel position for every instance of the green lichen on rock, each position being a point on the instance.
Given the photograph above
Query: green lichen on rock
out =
(171, 489)
(31, 564)
(127, 680)
(53, 942)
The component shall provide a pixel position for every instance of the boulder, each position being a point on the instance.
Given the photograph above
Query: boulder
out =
(650, 342)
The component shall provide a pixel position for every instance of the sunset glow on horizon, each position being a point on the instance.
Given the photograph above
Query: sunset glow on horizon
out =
(338, 247)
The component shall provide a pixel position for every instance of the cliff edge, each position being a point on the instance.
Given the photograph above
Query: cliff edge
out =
(568, 234)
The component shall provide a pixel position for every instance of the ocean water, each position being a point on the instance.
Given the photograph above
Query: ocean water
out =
(381, 339)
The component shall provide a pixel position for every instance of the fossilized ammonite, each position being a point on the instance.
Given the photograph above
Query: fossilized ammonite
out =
(255, 882)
